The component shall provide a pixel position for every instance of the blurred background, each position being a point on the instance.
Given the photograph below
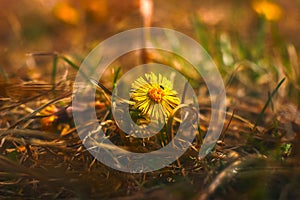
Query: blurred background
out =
(75, 27)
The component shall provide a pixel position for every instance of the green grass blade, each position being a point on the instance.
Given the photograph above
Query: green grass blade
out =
(3, 75)
(69, 62)
(116, 77)
(201, 32)
(260, 116)
(54, 69)
(98, 84)
(76, 67)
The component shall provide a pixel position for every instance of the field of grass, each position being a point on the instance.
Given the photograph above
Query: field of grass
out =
(255, 46)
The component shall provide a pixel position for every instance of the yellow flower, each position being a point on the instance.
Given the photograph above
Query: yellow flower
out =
(66, 13)
(154, 96)
(270, 10)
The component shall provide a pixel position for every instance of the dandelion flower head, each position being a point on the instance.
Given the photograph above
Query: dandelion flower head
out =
(154, 95)
(270, 10)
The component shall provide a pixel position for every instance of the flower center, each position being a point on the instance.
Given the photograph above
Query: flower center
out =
(156, 94)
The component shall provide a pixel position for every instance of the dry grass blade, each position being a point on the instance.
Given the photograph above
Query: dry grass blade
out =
(173, 118)
(14, 167)
(228, 173)
(27, 133)
(39, 109)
